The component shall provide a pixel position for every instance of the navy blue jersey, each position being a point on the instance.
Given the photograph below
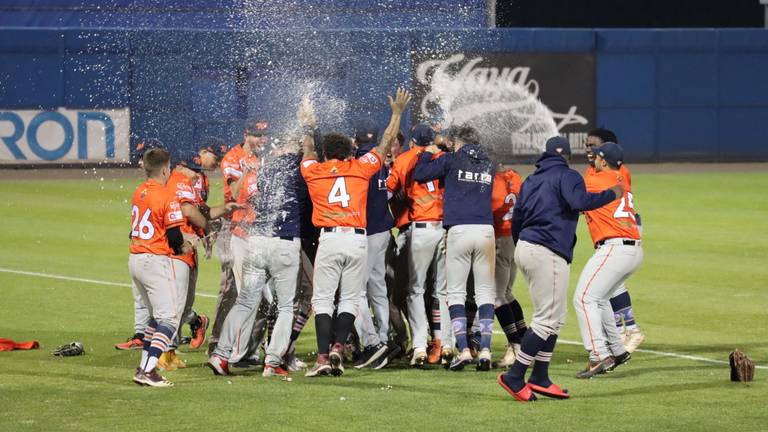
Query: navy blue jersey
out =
(547, 210)
(378, 216)
(282, 197)
(468, 178)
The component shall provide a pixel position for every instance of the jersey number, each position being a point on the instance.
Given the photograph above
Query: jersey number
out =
(145, 229)
(511, 198)
(339, 193)
(620, 212)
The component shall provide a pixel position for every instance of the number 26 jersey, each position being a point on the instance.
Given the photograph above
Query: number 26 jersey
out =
(339, 189)
(153, 210)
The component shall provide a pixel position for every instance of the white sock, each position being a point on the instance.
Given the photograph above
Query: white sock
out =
(151, 364)
(631, 327)
(144, 356)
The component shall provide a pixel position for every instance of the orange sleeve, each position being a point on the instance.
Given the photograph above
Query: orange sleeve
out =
(369, 164)
(396, 179)
(173, 216)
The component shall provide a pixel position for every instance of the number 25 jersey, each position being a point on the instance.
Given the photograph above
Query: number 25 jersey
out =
(339, 189)
(615, 219)
(153, 210)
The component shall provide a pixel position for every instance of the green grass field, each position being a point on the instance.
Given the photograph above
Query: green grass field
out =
(700, 292)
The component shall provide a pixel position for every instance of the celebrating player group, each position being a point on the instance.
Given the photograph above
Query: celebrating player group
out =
(399, 249)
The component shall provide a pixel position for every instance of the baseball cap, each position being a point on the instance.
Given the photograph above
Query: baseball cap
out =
(612, 153)
(422, 134)
(189, 160)
(217, 146)
(559, 145)
(366, 130)
(148, 144)
(257, 127)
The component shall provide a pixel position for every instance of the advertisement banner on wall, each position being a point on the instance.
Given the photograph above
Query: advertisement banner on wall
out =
(64, 136)
(516, 101)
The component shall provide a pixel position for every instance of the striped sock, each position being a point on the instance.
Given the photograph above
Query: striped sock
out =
(486, 324)
(436, 333)
(507, 321)
(298, 325)
(530, 347)
(540, 373)
(161, 340)
(519, 321)
(459, 323)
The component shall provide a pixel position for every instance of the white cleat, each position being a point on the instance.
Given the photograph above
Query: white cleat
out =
(635, 337)
(509, 356)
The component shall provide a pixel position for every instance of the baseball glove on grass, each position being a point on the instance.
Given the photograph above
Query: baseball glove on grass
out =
(742, 367)
(70, 349)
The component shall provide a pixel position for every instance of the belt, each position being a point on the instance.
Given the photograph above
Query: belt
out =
(617, 241)
(287, 238)
(344, 230)
(428, 224)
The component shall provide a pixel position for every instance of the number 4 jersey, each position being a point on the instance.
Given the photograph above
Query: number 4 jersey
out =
(339, 189)
(153, 210)
(615, 219)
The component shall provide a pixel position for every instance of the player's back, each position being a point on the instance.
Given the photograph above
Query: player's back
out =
(506, 188)
(339, 189)
(425, 199)
(615, 219)
(153, 211)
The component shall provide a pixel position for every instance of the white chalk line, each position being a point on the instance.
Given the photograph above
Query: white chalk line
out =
(564, 341)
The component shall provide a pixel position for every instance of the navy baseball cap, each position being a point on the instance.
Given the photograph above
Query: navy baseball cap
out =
(612, 153)
(189, 160)
(423, 134)
(559, 145)
(148, 144)
(217, 146)
(366, 130)
(257, 128)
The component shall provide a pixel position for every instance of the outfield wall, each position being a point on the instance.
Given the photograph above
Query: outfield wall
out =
(672, 95)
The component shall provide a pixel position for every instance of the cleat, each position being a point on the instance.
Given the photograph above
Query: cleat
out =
(484, 360)
(135, 342)
(553, 391)
(596, 368)
(434, 350)
(381, 363)
(635, 337)
(509, 356)
(272, 371)
(372, 354)
(336, 358)
(176, 361)
(294, 364)
(445, 356)
(524, 395)
(620, 360)
(320, 369)
(165, 362)
(218, 365)
(138, 377)
(461, 360)
(198, 333)
(154, 379)
(246, 363)
(396, 351)
(419, 358)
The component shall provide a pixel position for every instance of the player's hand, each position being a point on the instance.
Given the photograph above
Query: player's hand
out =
(187, 247)
(306, 113)
(618, 189)
(432, 149)
(232, 206)
(401, 100)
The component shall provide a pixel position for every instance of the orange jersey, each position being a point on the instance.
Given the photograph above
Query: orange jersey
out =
(153, 211)
(339, 189)
(232, 167)
(425, 200)
(506, 188)
(615, 219)
(202, 186)
(242, 217)
(622, 169)
(184, 190)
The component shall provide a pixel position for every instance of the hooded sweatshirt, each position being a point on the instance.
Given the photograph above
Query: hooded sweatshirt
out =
(547, 210)
(468, 176)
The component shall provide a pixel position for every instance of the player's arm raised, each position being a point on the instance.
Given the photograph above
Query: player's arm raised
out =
(308, 121)
(398, 105)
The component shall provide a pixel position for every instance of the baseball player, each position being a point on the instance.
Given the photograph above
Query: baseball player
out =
(338, 188)
(424, 236)
(273, 246)
(621, 303)
(617, 255)
(468, 177)
(238, 160)
(544, 229)
(379, 222)
(156, 220)
(506, 187)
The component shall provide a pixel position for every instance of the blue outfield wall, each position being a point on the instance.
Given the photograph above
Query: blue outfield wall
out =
(699, 95)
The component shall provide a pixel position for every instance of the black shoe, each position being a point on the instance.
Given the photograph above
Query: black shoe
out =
(184, 340)
(395, 351)
(596, 368)
(371, 354)
(247, 363)
(620, 360)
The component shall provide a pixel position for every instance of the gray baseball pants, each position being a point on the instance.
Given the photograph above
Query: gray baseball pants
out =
(186, 280)
(547, 276)
(423, 252)
(470, 247)
(339, 264)
(374, 294)
(506, 270)
(268, 258)
(153, 277)
(602, 277)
